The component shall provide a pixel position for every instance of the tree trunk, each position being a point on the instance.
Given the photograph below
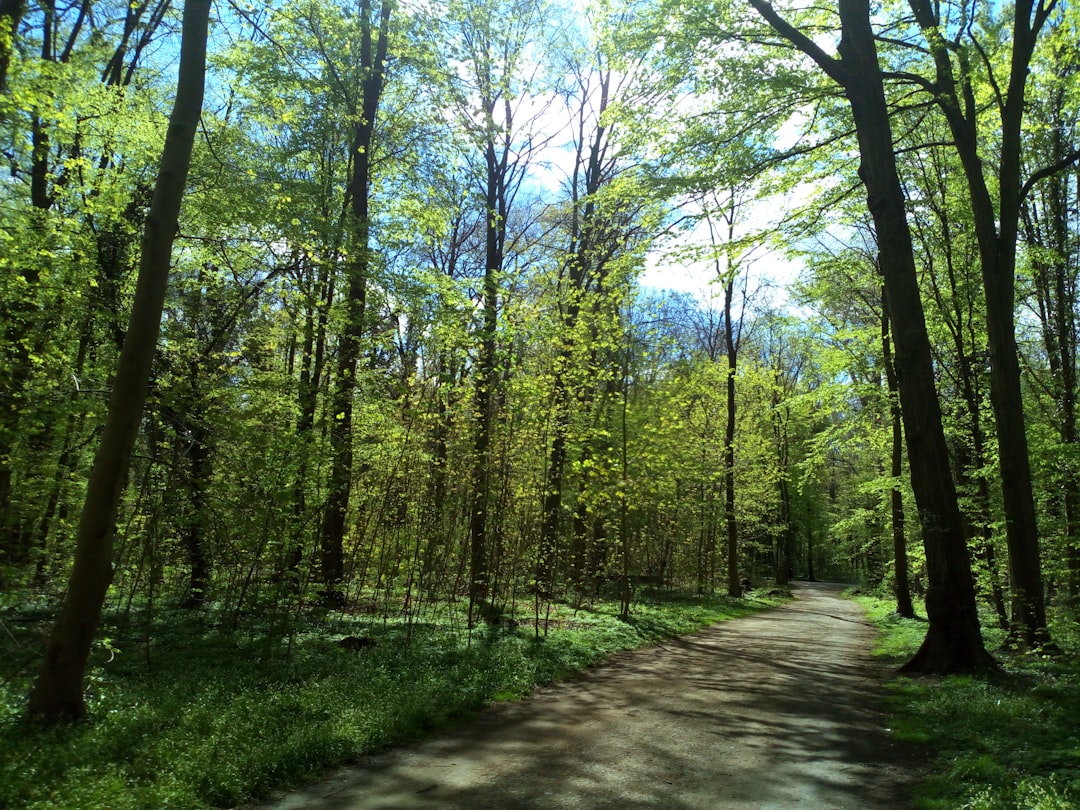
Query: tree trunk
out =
(313, 353)
(730, 522)
(997, 253)
(971, 455)
(785, 540)
(904, 606)
(1048, 227)
(194, 533)
(953, 642)
(373, 63)
(58, 692)
(11, 14)
(486, 380)
(552, 506)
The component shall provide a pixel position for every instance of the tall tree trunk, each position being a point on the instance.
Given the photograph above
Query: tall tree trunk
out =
(57, 693)
(904, 607)
(734, 581)
(785, 540)
(996, 230)
(11, 15)
(373, 49)
(194, 532)
(312, 361)
(486, 381)
(553, 495)
(1055, 278)
(953, 642)
(624, 503)
(971, 455)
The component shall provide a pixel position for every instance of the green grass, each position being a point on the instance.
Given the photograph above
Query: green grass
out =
(200, 718)
(1010, 740)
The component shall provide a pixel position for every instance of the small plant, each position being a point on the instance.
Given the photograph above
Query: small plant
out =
(1005, 742)
(197, 718)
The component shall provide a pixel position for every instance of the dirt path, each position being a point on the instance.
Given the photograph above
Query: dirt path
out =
(777, 710)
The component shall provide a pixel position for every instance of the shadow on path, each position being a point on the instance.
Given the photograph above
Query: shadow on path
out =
(776, 710)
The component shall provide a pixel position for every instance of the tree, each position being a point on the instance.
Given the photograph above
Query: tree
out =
(362, 109)
(947, 250)
(602, 225)
(728, 275)
(11, 14)
(489, 46)
(729, 255)
(896, 462)
(1049, 233)
(953, 642)
(996, 226)
(58, 692)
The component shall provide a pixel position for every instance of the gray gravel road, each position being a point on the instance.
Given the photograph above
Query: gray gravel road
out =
(776, 710)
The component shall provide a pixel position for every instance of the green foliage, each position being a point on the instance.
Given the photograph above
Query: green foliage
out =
(1006, 742)
(231, 468)
(201, 718)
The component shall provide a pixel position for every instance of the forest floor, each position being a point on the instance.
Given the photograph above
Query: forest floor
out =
(781, 710)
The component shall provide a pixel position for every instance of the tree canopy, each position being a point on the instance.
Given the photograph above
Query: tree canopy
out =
(427, 335)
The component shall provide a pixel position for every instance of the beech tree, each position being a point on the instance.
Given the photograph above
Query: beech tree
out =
(58, 692)
(948, 255)
(845, 287)
(953, 642)
(360, 95)
(997, 226)
(492, 52)
(728, 266)
(1049, 227)
(603, 223)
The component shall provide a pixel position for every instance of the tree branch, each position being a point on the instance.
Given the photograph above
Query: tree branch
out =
(902, 43)
(989, 72)
(832, 67)
(1048, 171)
(912, 78)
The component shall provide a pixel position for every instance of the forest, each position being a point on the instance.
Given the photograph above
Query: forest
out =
(421, 324)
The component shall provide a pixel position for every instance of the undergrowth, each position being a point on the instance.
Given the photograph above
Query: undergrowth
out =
(1006, 741)
(192, 716)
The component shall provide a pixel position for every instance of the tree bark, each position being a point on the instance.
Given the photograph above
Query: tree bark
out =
(57, 693)
(904, 607)
(785, 540)
(953, 642)
(320, 296)
(1048, 226)
(486, 380)
(726, 274)
(373, 49)
(997, 252)
(194, 536)
(730, 522)
(11, 15)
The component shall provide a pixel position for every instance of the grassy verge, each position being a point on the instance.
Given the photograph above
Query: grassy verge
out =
(200, 718)
(1008, 741)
